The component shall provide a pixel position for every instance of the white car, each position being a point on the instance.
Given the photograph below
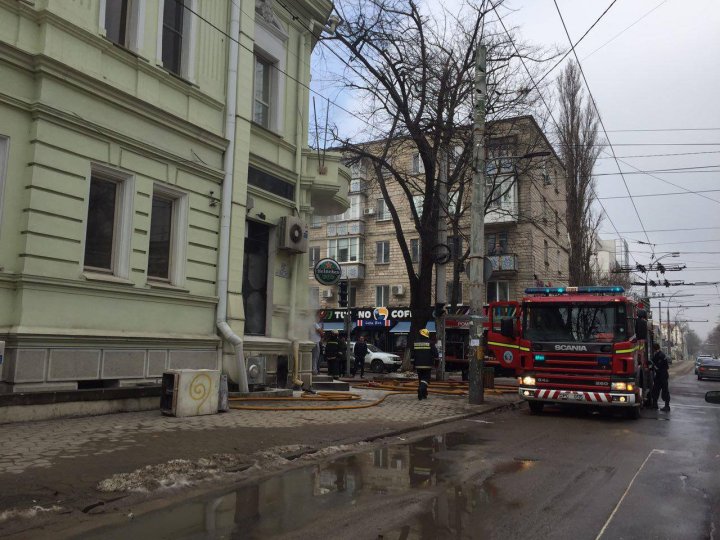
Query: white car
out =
(379, 361)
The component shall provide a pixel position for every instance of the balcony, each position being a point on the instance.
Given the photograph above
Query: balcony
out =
(328, 185)
(503, 263)
(346, 228)
(352, 270)
(506, 212)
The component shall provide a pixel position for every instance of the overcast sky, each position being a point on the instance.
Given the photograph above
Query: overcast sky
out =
(663, 73)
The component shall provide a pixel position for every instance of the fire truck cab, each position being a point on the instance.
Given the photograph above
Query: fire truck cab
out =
(571, 345)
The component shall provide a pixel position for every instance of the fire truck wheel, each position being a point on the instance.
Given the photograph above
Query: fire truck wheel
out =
(536, 407)
(633, 413)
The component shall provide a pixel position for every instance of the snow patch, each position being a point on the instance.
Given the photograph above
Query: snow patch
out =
(27, 513)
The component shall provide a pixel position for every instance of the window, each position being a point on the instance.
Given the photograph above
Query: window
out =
(417, 167)
(172, 35)
(316, 221)
(351, 213)
(168, 223)
(449, 289)
(418, 201)
(545, 211)
(497, 243)
(498, 291)
(546, 253)
(557, 222)
(255, 277)
(314, 252)
(346, 249)
(117, 19)
(109, 222)
(160, 238)
(456, 247)
(500, 189)
(383, 212)
(382, 250)
(559, 265)
(314, 297)
(454, 203)
(382, 295)
(352, 296)
(415, 250)
(261, 108)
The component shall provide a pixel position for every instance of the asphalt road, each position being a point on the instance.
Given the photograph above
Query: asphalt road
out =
(561, 474)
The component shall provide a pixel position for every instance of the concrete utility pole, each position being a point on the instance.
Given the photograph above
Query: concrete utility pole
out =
(440, 273)
(476, 359)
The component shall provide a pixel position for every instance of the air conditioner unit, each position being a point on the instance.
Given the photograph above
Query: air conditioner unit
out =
(190, 392)
(256, 370)
(398, 290)
(326, 293)
(369, 211)
(293, 234)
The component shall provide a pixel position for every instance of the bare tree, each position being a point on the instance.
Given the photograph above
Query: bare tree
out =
(413, 78)
(579, 148)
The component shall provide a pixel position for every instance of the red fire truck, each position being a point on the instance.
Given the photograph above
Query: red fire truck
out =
(571, 345)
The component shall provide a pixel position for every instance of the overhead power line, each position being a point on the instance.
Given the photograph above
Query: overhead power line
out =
(602, 124)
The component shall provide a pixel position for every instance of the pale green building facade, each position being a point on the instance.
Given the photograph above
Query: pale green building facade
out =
(112, 146)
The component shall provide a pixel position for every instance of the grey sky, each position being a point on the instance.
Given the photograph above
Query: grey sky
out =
(661, 73)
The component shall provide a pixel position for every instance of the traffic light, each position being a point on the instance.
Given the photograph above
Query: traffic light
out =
(343, 293)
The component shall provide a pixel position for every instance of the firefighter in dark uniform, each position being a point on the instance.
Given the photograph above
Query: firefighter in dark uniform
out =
(332, 354)
(661, 366)
(423, 360)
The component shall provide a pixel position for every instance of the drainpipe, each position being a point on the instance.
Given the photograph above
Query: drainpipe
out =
(292, 327)
(226, 207)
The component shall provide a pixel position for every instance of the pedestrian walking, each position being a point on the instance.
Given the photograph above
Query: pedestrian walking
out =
(360, 351)
(660, 387)
(332, 352)
(423, 360)
(342, 355)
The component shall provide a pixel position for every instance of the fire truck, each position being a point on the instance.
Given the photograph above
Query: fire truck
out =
(572, 345)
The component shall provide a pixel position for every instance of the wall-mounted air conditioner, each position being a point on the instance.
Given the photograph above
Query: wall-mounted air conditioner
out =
(398, 290)
(369, 211)
(326, 293)
(293, 234)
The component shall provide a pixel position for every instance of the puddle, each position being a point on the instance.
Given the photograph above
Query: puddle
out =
(352, 490)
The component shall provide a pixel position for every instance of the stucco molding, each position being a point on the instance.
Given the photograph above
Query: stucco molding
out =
(63, 337)
(110, 290)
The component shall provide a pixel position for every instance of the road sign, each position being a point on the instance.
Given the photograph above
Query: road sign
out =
(327, 271)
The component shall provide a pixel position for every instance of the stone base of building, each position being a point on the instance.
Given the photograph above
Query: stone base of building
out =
(77, 363)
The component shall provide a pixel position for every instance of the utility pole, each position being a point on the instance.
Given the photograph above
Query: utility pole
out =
(668, 323)
(660, 342)
(440, 273)
(476, 360)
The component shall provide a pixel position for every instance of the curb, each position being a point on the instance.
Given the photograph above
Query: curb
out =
(410, 429)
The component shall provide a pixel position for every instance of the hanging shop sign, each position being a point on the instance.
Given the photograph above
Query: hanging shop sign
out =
(327, 271)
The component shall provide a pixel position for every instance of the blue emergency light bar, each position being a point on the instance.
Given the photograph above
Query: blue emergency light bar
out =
(613, 289)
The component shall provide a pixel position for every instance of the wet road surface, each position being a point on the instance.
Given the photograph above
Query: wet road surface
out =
(562, 474)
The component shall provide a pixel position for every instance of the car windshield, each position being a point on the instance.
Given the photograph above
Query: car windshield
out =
(373, 348)
(583, 323)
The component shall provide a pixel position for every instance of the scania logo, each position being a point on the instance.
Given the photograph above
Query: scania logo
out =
(573, 348)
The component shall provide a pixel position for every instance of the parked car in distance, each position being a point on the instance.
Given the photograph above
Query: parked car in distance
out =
(379, 361)
(698, 359)
(709, 368)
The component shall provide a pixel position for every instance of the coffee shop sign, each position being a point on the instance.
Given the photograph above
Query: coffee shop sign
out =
(378, 314)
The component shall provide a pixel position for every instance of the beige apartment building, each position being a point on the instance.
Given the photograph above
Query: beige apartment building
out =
(525, 234)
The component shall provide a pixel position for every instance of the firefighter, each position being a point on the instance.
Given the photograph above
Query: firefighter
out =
(332, 350)
(662, 377)
(360, 351)
(423, 360)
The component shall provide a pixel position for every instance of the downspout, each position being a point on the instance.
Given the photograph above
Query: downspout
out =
(226, 207)
(292, 327)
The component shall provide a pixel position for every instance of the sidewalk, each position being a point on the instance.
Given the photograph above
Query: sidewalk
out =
(59, 464)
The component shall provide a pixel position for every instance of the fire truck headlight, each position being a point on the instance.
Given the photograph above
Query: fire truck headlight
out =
(622, 386)
(528, 380)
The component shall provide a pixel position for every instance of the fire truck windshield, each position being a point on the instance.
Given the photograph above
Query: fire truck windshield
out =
(582, 323)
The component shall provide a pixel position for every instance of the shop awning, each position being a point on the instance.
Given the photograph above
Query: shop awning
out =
(337, 326)
(403, 327)
(333, 326)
